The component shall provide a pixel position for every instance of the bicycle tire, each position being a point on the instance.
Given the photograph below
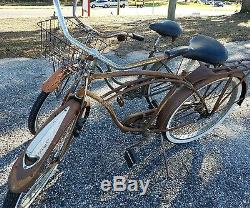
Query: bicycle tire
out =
(35, 110)
(10, 200)
(25, 177)
(50, 106)
(178, 99)
(62, 86)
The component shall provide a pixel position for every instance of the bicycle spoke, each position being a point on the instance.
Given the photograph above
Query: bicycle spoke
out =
(216, 87)
(221, 95)
(208, 87)
(157, 88)
(160, 91)
(184, 109)
(186, 115)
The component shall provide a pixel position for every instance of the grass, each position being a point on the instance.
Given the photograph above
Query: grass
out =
(21, 37)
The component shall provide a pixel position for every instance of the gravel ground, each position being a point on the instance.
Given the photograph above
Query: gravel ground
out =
(211, 172)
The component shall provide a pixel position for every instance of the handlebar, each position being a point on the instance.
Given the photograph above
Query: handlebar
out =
(93, 52)
(137, 37)
(121, 36)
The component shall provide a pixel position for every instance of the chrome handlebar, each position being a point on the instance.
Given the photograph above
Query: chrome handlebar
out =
(93, 52)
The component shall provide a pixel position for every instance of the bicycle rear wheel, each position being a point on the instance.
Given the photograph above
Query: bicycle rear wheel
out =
(156, 92)
(189, 117)
(39, 161)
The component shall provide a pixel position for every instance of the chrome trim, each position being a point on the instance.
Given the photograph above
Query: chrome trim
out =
(43, 139)
(26, 199)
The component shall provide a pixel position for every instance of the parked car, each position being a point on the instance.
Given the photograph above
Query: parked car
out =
(218, 4)
(139, 4)
(100, 3)
(123, 3)
(228, 3)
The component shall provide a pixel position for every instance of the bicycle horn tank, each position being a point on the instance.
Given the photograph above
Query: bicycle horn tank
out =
(27, 167)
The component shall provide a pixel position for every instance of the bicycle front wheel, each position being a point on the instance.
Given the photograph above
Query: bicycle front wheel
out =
(45, 104)
(38, 162)
(189, 116)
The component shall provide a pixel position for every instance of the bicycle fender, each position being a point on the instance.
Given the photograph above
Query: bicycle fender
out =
(21, 178)
(203, 73)
(53, 81)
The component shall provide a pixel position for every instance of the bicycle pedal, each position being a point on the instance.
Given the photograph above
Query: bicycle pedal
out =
(130, 157)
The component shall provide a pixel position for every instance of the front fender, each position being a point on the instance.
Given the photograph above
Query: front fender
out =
(53, 82)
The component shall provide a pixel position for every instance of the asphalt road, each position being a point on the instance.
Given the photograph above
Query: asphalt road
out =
(211, 172)
(18, 12)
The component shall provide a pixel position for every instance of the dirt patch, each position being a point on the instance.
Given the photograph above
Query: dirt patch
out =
(21, 37)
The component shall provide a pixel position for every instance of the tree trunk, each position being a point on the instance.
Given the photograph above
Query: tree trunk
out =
(118, 7)
(74, 7)
(245, 6)
(171, 9)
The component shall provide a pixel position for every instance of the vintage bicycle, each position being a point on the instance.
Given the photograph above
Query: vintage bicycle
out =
(189, 106)
(68, 61)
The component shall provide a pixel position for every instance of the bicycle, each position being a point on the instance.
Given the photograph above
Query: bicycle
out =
(69, 61)
(192, 106)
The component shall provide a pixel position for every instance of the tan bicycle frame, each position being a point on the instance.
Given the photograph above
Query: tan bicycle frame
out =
(149, 77)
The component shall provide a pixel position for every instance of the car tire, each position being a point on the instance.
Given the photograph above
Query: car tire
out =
(93, 6)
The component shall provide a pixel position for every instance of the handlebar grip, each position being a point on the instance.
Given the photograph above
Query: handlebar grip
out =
(121, 37)
(137, 37)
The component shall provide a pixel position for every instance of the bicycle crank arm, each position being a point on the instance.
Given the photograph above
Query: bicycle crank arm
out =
(130, 157)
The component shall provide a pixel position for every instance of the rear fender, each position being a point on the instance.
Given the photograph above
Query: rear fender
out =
(203, 73)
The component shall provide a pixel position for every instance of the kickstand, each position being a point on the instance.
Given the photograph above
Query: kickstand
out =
(165, 158)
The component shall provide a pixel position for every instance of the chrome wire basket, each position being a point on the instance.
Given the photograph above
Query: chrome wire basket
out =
(58, 49)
